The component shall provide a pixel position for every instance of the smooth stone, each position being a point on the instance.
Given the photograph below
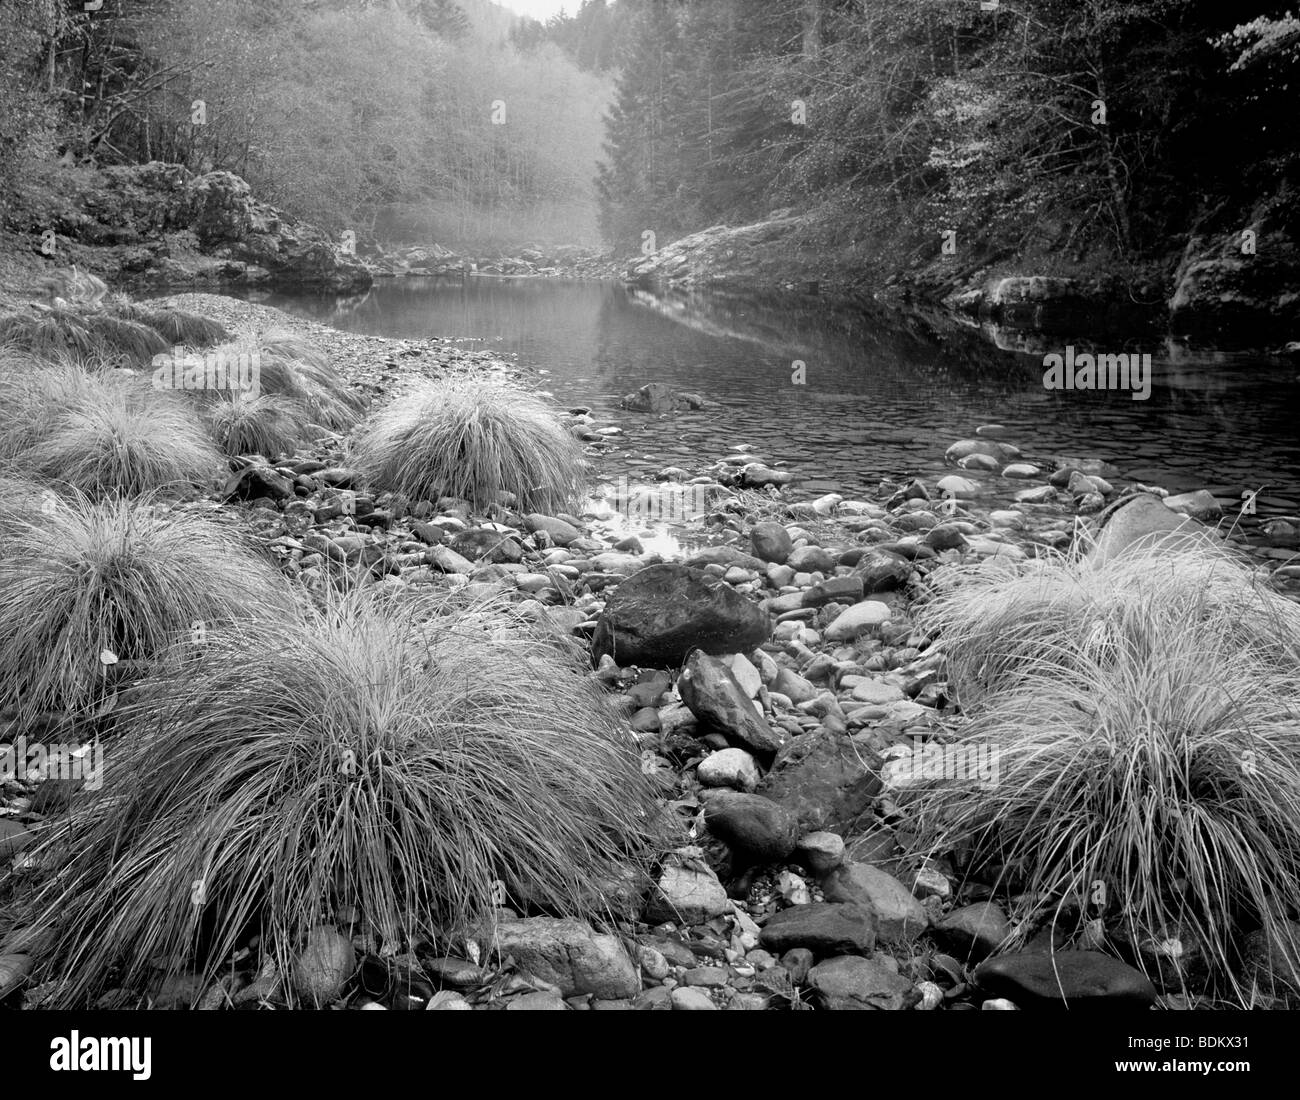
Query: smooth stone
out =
(662, 612)
(771, 541)
(745, 673)
(834, 590)
(858, 619)
(689, 895)
(752, 825)
(975, 931)
(733, 768)
(812, 559)
(568, 954)
(1145, 523)
(960, 487)
(715, 697)
(1021, 470)
(687, 998)
(824, 928)
(1039, 494)
(1065, 979)
(851, 982)
(821, 852)
(877, 692)
(882, 570)
(899, 916)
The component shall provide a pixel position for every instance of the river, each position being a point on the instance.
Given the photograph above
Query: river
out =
(884, 392)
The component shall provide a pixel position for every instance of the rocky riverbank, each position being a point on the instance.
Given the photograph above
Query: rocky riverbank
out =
(763, 648)
(1238, 278)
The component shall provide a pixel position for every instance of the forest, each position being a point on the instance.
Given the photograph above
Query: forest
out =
(411, 121)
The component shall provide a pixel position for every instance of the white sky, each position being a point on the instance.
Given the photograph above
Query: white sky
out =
(540, 10)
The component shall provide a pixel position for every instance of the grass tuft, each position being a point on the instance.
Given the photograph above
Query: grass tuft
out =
(108, 432)
(397, 760)
(175, 326)
(473, 439)
(267, 425)
(1143, 717)
(79, 576)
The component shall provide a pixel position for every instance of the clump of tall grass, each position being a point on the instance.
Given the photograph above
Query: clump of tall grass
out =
(79, 576)
(296, 372)
(105, 432)
(1143, 719)
(175, 326)
(396, 759)
(996, 618)
(472, 439)
(328, 399)
(266, 424)
(59, 332)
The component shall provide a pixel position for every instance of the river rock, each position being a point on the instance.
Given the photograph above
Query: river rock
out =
(811, 559)
(960, 487)
(858, 619)
(1065, 979)
(975, 931)
(660, 613)
(964, 448)
(561, 532)
(833, 590)
(882, 570)
(821, 852)
(755, 827)
(485, 544)
(852, 982)
(733, 768)
(755, 475)
(687, 998)
(691, 895)
(568, 954)
(747, 676)
(1145, 522)
(325, 965)
(825, 780)
(824, 928)
(1199, 505)
(725, 556)
(771, 541)
(899, 916)
(656, 397)
(714, 695)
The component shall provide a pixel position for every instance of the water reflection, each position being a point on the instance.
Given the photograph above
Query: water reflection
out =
(884, 391)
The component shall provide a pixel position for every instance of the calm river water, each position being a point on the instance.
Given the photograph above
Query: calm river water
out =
(884, 394)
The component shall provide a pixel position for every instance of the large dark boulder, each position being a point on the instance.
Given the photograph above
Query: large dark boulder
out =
(1065, 979)
(660, 613)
